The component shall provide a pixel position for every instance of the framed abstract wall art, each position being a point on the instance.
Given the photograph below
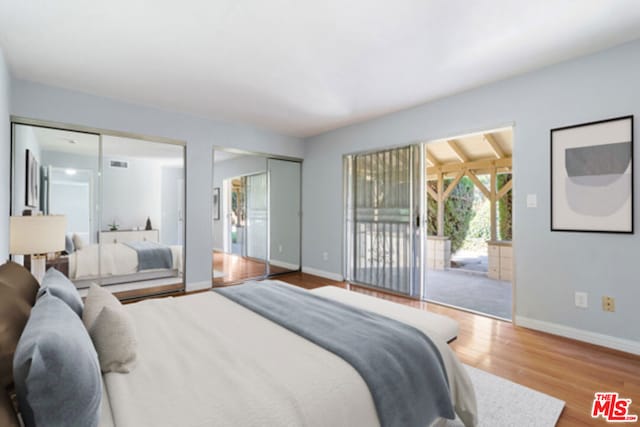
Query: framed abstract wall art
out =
(592, 177)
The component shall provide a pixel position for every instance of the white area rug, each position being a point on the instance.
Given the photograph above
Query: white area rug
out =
(502, 403)
(218, 274)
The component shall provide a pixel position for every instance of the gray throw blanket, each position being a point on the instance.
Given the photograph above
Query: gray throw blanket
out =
(152, 255)
(401, 366)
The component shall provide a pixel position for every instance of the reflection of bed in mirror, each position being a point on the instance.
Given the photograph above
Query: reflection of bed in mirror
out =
(125, 256)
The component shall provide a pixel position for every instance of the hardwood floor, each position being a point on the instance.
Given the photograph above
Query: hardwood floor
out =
(236, 268)
(569, 370)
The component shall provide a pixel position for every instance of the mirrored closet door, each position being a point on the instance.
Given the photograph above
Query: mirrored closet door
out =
(256, 216)
(285, 182)
(123, 201)
(57, 172)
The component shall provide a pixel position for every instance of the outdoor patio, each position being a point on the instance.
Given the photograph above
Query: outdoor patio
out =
(471, 291)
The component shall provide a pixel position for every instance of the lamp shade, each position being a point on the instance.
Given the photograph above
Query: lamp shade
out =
(40, 234)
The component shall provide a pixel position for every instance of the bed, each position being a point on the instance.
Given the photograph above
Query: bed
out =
(208, 359)
(205, 360)
(117, 261)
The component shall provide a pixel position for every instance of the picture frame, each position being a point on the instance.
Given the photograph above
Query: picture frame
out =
(592, 177)
(216, 204)
(32, 180)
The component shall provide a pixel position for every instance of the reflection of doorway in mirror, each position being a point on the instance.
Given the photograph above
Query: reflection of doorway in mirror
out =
(70, 193)
(235, 214)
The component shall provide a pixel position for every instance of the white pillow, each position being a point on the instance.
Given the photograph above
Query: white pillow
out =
(78, 243)
(111, 329)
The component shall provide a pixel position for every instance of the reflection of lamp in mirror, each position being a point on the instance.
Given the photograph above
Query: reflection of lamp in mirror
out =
(37, 236)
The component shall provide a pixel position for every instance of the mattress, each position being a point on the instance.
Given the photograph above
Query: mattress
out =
(116, 259)
(430, 323)
(206, 361)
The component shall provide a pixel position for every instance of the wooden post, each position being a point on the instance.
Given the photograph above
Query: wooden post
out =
(440, 204)
(492, 202)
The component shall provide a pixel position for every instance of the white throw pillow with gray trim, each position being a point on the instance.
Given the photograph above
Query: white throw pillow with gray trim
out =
(112, 330)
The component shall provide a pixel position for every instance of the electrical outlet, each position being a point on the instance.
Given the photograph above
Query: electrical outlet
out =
(608, 304)
(325, 256)
(582, 299)
(279, 248)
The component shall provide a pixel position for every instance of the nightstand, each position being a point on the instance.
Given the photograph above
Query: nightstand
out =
(60, 263)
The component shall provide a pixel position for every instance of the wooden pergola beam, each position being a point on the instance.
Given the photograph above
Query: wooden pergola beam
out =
(486, 164)
(432, 160)
(495, 147)
(453, 185)
(432, 192)
(492, 203)
(450, 175)
(504, 190)
(479, 184)
(440, 214)
(457, 151)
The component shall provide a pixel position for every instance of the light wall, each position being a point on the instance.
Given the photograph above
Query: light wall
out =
(5, 156)
(550, 267)
(132, 195)
(37, 101)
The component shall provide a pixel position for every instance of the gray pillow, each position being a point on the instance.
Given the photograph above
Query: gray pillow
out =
(60, 286)
(55, 368)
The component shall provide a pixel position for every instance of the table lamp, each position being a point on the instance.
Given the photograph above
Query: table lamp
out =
(37, 236)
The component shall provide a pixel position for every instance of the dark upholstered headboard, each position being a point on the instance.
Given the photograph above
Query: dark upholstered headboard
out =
(18, 289)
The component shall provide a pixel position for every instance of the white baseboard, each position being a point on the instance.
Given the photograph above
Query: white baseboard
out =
(321, 273)
(603, 340)
(284, 264)
(196, 286)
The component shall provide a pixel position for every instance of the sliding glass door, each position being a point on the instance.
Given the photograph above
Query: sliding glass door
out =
(383, 206)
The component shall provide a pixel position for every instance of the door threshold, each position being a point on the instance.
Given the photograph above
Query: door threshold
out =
(468, 310)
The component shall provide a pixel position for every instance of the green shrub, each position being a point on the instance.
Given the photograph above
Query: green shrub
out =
(480, 225)
(505, 209)
(458, 212)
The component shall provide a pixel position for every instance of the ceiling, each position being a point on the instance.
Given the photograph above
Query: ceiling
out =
(299, 67)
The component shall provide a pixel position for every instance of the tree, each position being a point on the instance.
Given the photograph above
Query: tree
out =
(458, 212)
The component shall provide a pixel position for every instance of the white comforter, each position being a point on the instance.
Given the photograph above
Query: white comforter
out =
(207, 361)
(117, 259)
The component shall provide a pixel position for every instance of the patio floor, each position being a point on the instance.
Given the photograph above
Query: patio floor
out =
(471, 291)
